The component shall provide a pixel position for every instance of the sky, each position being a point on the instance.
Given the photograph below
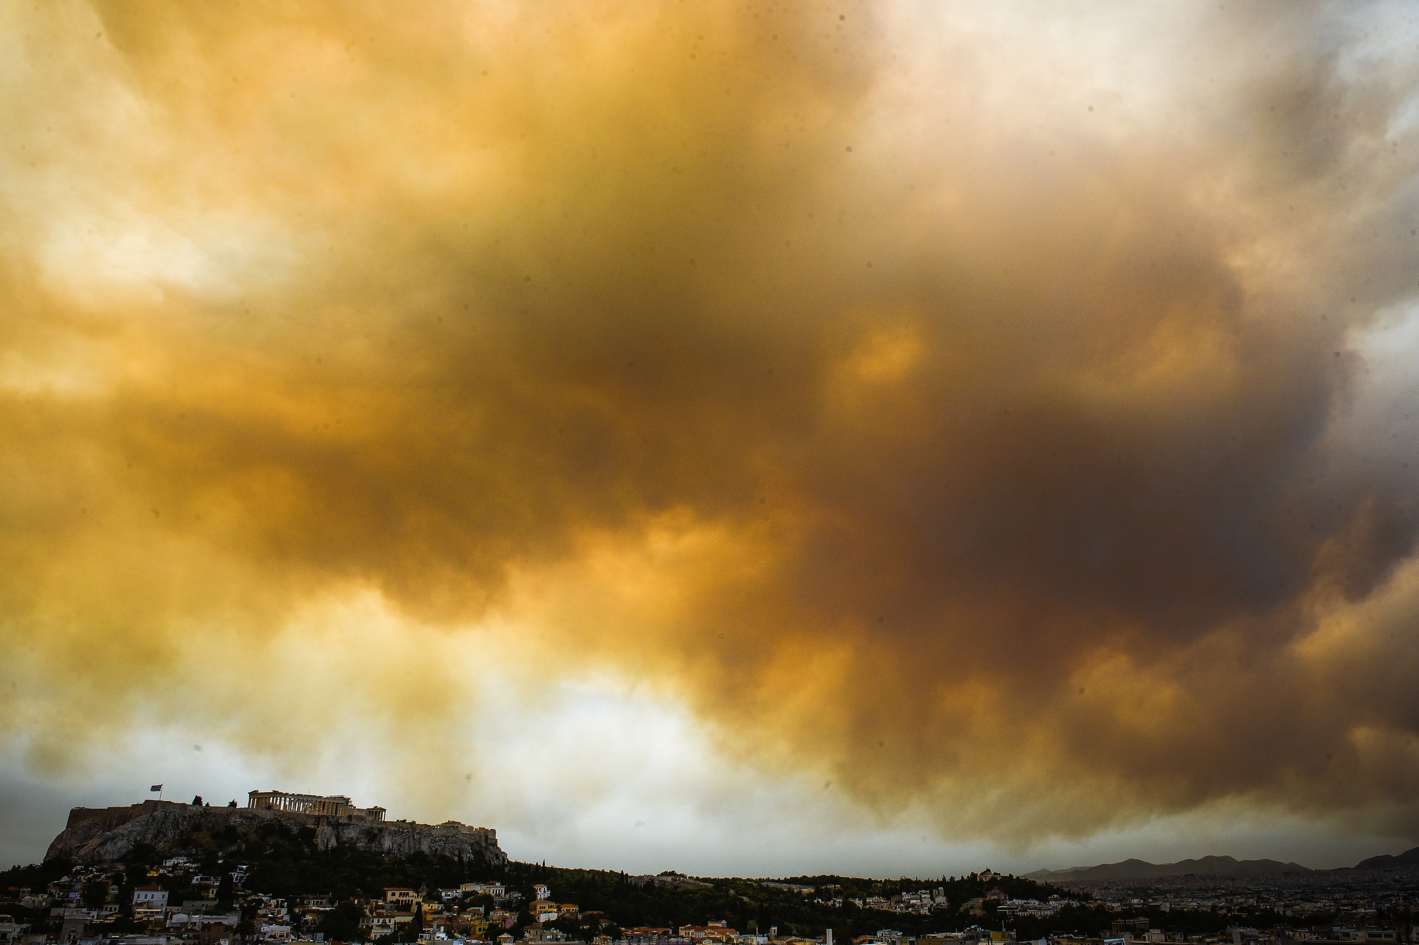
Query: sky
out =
(893, 437)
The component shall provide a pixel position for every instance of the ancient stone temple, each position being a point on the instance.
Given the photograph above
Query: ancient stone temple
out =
(334, 805)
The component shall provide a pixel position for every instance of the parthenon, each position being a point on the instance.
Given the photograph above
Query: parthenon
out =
(335, 805)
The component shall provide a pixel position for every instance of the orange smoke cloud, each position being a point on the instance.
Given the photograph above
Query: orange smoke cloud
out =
(948, 400)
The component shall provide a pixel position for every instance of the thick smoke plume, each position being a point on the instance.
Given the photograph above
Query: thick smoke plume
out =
(966, 400)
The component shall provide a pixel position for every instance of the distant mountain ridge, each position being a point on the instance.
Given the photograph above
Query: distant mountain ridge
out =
(1211, 866)
(1407, 859)
(1141, 869)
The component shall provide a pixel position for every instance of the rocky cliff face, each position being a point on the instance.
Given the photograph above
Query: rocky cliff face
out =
(109, 835)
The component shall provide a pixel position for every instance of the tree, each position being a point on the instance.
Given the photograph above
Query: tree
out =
(568, 926)
(342, 923)
(94, 895)
(226, 888)
(480, 899)
(412, 929)
(524, 919)
(123, 924)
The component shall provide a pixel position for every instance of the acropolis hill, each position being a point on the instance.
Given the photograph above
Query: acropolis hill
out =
(109, 834)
